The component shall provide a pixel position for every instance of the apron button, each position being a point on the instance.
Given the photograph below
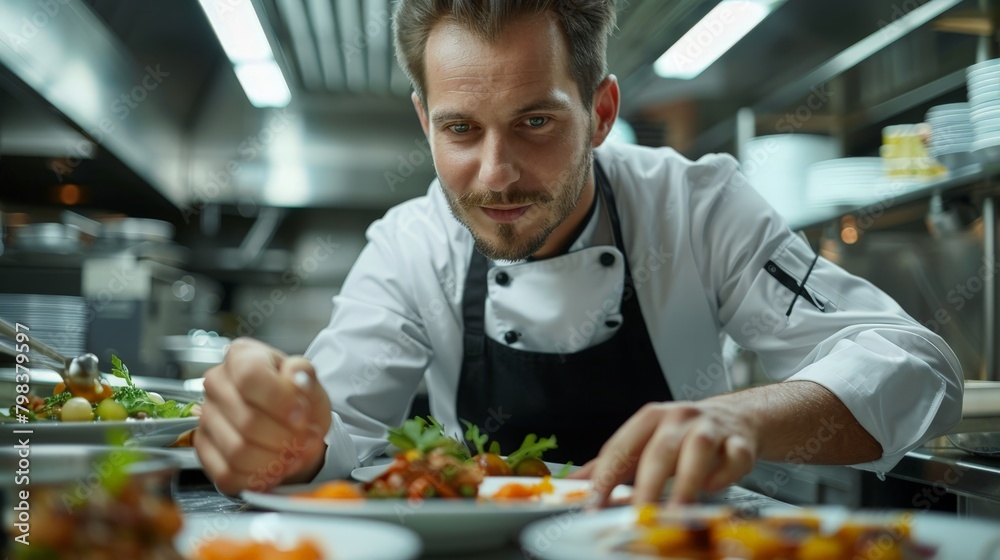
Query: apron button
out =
(510, 337)
(502, 278)
(607, 259)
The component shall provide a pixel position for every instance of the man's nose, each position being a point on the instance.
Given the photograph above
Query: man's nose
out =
(497, 169)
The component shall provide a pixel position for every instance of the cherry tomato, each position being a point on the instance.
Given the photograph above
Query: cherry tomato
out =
(531, 467)
(492, 464)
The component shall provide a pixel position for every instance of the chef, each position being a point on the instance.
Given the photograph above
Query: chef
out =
(551, 282)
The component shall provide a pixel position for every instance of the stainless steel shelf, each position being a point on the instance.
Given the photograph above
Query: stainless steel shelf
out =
(906, 193)
(961, 473)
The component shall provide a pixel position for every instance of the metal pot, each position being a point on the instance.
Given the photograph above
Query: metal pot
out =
(51, 238)
(986, 444)
(137, 230)
(190, 356)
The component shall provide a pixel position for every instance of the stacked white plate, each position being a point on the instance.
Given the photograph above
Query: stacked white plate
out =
(59, 321)
(983, 82)
(777, 166)
(845, 181)
(951, 130)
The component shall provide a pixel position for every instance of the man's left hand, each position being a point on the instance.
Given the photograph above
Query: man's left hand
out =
(704, 445)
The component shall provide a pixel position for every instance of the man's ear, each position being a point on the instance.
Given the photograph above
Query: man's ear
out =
(421, 113)
(605, 109)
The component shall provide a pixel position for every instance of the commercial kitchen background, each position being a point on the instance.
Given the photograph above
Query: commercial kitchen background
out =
(151, 210)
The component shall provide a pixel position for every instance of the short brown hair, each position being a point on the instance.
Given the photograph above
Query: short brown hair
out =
(586, 24)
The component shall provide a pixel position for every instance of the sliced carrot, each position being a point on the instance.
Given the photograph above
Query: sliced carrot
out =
(59, 388)
(515, 491)
(577, 495)
(335, 490)
(225, 549)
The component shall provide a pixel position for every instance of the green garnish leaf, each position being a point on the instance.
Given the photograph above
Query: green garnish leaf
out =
(495, 448)
(425, 436)
(564, 472)
(531, 448)
(478, 439)
(135, 400)
(118, 369)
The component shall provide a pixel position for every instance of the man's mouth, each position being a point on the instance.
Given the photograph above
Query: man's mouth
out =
(504, 213)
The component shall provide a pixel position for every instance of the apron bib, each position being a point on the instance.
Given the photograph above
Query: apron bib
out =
(581, 397)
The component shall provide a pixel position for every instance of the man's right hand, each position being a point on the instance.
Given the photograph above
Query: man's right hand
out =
(263, 420)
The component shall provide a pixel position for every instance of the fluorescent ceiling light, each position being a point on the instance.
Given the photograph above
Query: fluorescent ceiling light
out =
(242, 36)
(711, 37)
(263, 84)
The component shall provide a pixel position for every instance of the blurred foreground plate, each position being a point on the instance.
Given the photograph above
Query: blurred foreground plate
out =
(595, 535)
(340, 538)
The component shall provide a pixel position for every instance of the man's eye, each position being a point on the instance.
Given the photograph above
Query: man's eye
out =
(460, 128)
(537, 122)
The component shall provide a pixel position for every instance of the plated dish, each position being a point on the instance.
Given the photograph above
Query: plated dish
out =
(703, 533)
(447, 526)
(445, 492)
(103, 414)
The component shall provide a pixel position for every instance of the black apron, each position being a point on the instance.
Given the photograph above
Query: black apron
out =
(580, 397)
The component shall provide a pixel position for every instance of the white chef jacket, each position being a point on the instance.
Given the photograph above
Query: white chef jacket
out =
(698, 237)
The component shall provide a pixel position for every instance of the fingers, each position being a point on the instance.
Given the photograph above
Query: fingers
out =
(234, 446)
(227, 478)
(699, 454)
(311, 402)
(252, 369)
(248, 422)
(703, 447)
(263, 419)
(584, 472)
(738, 460)
(619, 457)
(658, 463)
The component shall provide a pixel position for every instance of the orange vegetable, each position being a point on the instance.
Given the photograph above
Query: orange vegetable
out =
(225, 549)
(516, 491)
(59, 388)
(95, 393)
(335, 490)
(577, 495)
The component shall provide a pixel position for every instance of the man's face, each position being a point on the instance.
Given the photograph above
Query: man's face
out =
(510, 135)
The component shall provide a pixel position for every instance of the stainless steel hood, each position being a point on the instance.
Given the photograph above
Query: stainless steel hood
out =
(154, 76)
(67, 56)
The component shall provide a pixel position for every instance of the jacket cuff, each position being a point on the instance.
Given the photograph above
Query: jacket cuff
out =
(341, 458)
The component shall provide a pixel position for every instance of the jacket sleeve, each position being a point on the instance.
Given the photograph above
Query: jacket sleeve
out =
(372, 356)
(901, 381)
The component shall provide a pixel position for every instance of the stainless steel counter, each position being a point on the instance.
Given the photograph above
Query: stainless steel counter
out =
(945, 470)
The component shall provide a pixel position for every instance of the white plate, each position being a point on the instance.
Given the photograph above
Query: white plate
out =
(368, 474)
(340, 539)
(591, 536)
(447, 526)
(146, 433)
